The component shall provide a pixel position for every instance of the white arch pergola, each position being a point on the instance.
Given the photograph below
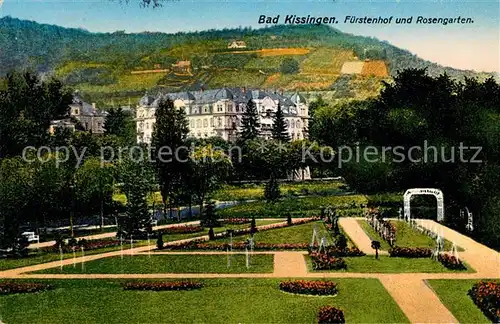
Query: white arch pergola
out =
(424, 191)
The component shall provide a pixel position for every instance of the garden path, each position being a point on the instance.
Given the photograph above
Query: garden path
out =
(352, 228)
(108, 235)
(113, 234)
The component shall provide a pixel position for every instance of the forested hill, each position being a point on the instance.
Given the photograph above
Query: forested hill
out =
(118, 67)
(29, 44)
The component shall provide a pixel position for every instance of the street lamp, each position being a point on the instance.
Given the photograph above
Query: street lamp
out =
(72, 211)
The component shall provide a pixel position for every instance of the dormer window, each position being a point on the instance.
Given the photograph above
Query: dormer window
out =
(219, 108)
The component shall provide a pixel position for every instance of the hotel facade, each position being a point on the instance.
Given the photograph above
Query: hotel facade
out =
(219, 112)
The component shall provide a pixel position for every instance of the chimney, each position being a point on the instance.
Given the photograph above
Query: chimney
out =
(281, 91)
(93, 106)
(244, 90)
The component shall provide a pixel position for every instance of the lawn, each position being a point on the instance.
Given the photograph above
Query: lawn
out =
(297, 207)
(167, 263)
(406, 236)
(453, 294)
(373, 235)
(37, 257)
(219, 301)
(386, 264)
(256, 192)
(292, 235)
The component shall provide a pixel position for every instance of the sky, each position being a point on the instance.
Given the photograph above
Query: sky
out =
(469, 46)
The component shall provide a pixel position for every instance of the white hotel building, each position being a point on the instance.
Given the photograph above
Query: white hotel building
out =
(219, 112)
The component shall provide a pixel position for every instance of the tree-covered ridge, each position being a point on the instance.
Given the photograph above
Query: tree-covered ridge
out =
(41, 46)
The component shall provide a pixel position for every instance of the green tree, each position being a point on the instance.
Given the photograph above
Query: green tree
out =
(280, 130)
(169, 136)
(208, 170)
(121, 124)
(289, 66)
(250, 122)
(14, 201)
(137, 179)
(27, 106)
(94, 184)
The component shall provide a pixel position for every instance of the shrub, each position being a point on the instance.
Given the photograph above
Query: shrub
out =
(162, 285)
(211, 235)
(486, 295)
(253, 226)
(408, 252)
(272, 190)
(309, 287)
(7, 288)
(330, 314)
(341, 242)
(451, 262)
(323, 261)
(289, 66)
(159, 241)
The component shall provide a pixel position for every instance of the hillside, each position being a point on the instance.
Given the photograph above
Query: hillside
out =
(118, 66)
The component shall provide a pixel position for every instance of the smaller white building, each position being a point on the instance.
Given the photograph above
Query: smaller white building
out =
(237, 44)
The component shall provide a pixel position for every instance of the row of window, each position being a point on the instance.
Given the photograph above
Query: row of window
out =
(210, 122)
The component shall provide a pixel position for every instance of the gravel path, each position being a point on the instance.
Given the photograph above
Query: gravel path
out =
(358, 235)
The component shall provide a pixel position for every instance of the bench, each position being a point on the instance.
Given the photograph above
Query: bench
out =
(31, 237)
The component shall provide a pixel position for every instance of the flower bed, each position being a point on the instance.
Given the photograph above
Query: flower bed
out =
(408, 252)
(486, 295)
(236, 221)
(182, 229)
(8, 288)
(86, 244)
(309, 287)
(199, 245)
(347, 252)
(322, 261)
(162, 285)
(451, 262)
(330, 314)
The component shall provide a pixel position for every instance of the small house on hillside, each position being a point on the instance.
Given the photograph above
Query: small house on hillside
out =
(237, 44)
(182, 67)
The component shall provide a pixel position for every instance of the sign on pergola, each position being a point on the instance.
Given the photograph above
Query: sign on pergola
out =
(424, 191)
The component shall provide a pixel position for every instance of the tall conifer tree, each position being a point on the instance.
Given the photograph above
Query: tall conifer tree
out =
(250, 122)
(280, 130)
(169, 133)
